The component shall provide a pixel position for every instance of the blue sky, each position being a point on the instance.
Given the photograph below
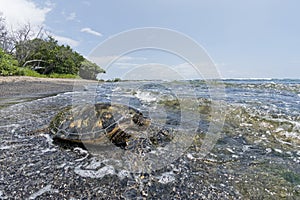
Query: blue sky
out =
(245, 39)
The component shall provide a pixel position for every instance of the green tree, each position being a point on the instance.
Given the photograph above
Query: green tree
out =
(89, 70)
(8, 65)
(46, 56)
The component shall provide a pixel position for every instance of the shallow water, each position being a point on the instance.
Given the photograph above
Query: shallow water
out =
(255, 155)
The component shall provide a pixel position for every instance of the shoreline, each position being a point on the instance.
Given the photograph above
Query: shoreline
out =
(19, 86)
(8, 79)
(17, 89)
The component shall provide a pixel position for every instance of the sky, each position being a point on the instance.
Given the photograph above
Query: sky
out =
(244, 39)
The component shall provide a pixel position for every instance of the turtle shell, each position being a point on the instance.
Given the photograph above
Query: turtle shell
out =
(98, 123)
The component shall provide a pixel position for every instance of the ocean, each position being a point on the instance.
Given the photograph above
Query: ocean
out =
(233, 139)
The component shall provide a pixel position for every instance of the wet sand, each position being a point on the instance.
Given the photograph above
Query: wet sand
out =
(21, 86)
(16, 89)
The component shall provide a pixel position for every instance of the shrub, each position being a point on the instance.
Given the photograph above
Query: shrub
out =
(46, 56)
(8, 65)
(89, 70)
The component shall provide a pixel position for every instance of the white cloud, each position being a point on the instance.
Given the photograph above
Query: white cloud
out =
(87, 3)
(49, 3)
(90, 31)
(20, 12)
(71, 16)
(66, 40)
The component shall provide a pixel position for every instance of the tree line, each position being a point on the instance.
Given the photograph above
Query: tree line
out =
(23, 53)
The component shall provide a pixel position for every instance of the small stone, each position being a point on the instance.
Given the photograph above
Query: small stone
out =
(145, 194)
(297, 189)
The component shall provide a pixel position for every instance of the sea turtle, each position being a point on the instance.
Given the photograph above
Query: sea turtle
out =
(96, 124)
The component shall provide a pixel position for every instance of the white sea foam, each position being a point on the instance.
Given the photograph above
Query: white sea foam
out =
(48, 138)
(292, 135)
(100, 173)
(81, 150)
(278, 150)
(117, 89)
(190, 156)
(245, 124)
(10, 125)
(68, 93)
(5, 147)
(230, 150)
(235, 156)
(83, 158)
(279, 130)
(247, 79)
(268, 150)
(166, 177)
(48, 150)
(42, 191)
(61, 166)
(94, 164)
(145, 96)
(123, 174)
(295, 123)
(283, 142)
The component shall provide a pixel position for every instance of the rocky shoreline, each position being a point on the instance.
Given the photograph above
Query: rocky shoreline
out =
(256, 157)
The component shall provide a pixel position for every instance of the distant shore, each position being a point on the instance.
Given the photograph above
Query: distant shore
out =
(6, 79)
(14, 89)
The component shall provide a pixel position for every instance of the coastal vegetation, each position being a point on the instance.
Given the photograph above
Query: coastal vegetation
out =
(8, 65)
(22, 53)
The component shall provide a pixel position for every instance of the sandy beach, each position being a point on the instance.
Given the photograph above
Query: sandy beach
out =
(16, 86)
(16, 89)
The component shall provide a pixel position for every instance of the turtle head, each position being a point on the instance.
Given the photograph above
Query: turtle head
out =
(140, 120)
(107, 120)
